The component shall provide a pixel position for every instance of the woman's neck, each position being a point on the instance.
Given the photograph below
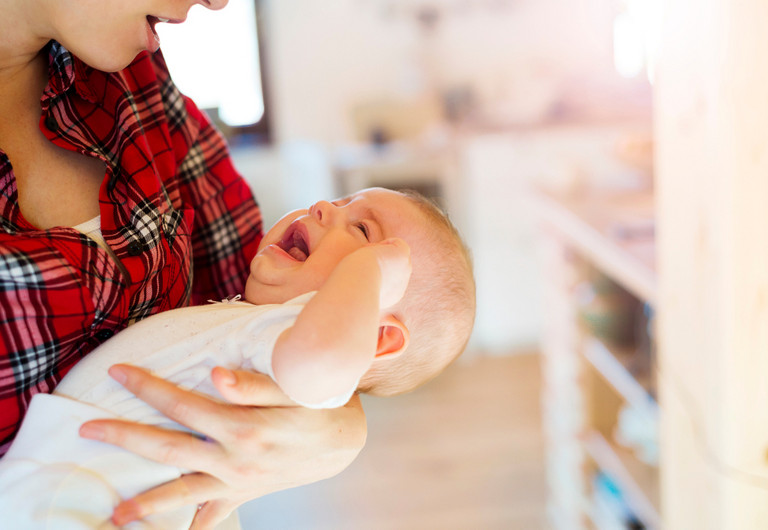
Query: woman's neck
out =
(21, 87)
(22, 36)
(23, 62)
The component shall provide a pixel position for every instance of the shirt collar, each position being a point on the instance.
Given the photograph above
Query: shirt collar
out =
(65, 70)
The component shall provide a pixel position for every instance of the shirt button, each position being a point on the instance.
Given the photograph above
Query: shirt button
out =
(51, 124)
(135, 248)
(104, 334)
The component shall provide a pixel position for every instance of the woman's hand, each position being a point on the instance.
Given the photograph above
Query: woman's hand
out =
(258, 443)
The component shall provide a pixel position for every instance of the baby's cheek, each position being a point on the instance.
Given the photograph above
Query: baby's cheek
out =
(251, 291)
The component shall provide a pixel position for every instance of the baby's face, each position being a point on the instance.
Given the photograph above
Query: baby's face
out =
(299, 252)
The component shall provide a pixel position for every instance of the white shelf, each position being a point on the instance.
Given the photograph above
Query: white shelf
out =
(619, 378)
(637, 496)
(612, 230)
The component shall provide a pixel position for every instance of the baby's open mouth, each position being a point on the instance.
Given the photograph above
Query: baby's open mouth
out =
(295, 244)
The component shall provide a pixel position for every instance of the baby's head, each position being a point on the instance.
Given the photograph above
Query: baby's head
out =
(299, 252)
(438, 307)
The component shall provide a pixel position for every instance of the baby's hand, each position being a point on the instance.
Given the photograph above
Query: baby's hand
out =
(394, 257)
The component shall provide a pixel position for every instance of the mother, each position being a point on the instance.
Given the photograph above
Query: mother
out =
(119, 200)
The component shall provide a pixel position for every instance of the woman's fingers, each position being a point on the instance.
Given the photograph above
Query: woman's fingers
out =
(175, 448)
(192, 489)
(248, 388)
(250, 450)
(211, 514)
(191, 409)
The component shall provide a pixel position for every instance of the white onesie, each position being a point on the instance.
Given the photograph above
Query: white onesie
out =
(51, 478)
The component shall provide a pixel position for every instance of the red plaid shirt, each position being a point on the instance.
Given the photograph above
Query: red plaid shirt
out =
(171, 198)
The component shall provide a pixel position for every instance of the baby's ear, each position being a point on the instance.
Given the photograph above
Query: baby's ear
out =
(393, 338)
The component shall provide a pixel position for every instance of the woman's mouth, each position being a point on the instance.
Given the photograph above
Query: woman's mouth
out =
(153, 39)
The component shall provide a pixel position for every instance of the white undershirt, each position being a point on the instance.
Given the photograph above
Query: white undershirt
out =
(92, 229)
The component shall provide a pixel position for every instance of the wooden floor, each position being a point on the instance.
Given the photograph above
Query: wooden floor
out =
(463, 452)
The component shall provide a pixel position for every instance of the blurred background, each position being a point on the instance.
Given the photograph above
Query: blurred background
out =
(533, 123)
(470, 101)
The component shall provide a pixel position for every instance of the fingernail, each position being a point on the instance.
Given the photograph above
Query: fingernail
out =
(125, 512)
(92, 432)
(228, 377)
(118, 374)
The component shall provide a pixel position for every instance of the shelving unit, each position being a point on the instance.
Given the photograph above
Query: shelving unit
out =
(589, 381)
(612, 365)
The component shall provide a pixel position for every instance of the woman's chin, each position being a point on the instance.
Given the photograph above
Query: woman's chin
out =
(110, 62)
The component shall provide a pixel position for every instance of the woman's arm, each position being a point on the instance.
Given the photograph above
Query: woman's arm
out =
(258, 443)
(227, 224)
(47, 314)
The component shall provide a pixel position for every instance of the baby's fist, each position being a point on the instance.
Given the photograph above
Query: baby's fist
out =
(394, 257)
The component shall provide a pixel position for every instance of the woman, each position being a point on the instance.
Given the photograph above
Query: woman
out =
(118, 201)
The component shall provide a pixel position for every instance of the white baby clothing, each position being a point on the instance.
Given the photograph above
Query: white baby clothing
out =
(51, 478)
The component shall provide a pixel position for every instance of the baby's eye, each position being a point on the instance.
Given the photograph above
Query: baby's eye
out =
(363, 229)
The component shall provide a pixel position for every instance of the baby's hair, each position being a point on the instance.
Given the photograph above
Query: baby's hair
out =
(438, 307)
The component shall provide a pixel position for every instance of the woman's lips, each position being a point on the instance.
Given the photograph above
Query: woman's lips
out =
(153, 39)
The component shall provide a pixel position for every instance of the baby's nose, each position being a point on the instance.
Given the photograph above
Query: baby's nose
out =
(322, 211)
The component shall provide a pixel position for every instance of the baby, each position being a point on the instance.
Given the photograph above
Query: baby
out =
(371, 293)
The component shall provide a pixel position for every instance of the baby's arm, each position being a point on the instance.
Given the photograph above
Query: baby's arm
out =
(335, 337)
